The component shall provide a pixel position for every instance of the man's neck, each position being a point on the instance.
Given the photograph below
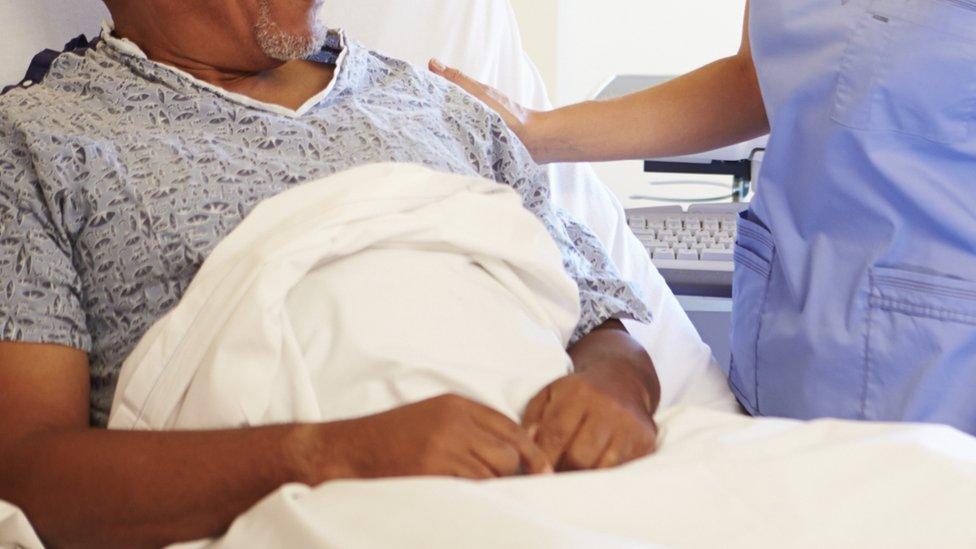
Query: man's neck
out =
(290, 85)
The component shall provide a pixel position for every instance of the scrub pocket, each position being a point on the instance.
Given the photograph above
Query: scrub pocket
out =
(754, 252)
(910, 67)
(921, 346)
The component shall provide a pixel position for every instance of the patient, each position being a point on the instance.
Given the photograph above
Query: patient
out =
(127, 165)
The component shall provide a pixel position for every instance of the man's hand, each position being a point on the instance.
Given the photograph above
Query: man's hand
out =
(443, 436)
(601, 416)
(93, 487)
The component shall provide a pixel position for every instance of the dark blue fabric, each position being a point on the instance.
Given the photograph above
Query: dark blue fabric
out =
(41, 63)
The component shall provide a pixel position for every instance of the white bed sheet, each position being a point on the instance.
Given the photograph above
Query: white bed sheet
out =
(719, 480)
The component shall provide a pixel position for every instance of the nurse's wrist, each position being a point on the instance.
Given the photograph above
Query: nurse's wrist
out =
(552, 136)
(537, 132)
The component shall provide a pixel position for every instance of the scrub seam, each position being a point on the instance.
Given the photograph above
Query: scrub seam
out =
(757, 235)
(910, 309)
(922, 286)
(759, 324)
(752, 265)
(867, 353)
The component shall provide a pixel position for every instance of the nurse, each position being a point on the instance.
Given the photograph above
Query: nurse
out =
(855, 280)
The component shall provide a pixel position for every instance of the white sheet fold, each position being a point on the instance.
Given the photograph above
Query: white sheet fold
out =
(373, 288)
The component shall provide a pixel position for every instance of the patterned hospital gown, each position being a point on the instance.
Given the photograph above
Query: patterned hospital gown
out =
(118, 176)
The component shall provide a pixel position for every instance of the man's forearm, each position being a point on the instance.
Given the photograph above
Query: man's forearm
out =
(114, 488)
(715, 106)
(610, 347)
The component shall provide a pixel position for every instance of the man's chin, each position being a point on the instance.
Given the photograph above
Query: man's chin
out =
(288, 47)
(282, 44)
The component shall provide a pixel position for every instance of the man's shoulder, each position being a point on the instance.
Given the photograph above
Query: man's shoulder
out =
(388, 72)
(70, 87)
(379, 64)
(24, 99)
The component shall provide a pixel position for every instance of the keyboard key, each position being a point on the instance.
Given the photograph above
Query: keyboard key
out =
(716, 254)
(688, 255)
(663, 253)
(637, 222)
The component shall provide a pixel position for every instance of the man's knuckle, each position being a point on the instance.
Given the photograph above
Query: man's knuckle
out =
(509, 462)
(552, 436)
(648, 443)
(454, 402)
(575, 458)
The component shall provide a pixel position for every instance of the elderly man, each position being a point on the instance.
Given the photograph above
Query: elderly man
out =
(125, 167)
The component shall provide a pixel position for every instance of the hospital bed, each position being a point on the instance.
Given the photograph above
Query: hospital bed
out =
(481, 38)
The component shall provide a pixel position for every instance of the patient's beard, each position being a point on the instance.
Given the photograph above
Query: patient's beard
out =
(284, 46)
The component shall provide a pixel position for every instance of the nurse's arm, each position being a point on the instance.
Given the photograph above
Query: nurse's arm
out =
(715, 106)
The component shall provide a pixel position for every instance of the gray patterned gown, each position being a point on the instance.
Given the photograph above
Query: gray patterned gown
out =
(118, 176)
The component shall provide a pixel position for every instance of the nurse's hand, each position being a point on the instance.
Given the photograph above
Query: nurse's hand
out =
(515, 116)
(601, 416)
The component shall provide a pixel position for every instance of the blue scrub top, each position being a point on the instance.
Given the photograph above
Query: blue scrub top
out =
(855, 283)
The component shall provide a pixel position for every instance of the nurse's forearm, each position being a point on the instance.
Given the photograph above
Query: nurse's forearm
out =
(715, 106)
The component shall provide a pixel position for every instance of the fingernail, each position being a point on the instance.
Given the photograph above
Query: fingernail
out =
(437, 65)
(548, 470)
(532, 430)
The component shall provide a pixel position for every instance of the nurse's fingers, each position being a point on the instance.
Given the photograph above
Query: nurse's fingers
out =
(511, 112)
(470, 85)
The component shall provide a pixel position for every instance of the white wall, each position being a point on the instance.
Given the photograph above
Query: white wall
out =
(578, 44)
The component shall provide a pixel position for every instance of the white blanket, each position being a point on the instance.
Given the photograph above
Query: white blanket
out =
(374, 288)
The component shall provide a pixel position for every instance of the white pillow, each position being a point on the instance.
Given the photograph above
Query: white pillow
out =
(482, 38)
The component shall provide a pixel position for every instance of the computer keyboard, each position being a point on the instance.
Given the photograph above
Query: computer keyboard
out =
(692, 249)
